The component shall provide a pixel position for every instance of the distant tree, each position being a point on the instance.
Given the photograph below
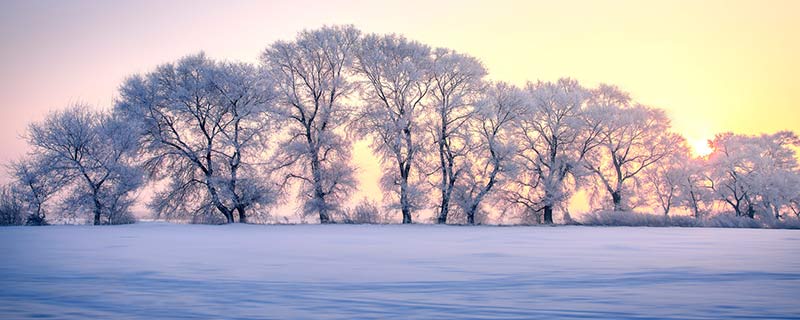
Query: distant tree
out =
(35, 183)
(365, 212)
(731, 172)
(755, 174)
(632, 137)
(664, 179)
(555, 138)
(489, 161)
(11, 208)
(694, 192)
(794, 206)
(397, 75)
(94, 151)
(456, 83)
(778, 178)
(203, 126)
(311, 74)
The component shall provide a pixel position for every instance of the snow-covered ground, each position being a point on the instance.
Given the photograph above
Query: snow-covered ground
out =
(159, 270)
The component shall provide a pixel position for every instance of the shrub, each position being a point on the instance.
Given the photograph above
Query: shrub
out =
(625, 219)
(726, 220)
(366, 212)
(11, 213)
(786, 223)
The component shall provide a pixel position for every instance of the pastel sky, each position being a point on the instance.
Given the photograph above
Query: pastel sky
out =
(713, 65)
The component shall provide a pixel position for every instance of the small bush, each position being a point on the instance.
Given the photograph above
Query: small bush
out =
(634, 219)
(11, 213)
(208, 216)
(625, 219)
(726, 220)
(35, 220)
(685, 221)
(786, 223)
(366, 212)
(123, 217)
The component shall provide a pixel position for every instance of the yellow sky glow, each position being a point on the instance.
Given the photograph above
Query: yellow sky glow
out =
(714, 65)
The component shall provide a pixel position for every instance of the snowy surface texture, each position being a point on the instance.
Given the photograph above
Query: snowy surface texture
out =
(157, 270)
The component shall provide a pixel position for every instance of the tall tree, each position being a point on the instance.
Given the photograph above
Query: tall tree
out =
(490, 161)
(456, 82)
(11, 208)
(664, 179)
(35, 183)
(203, 126)
(631, 138)
(693, 191)
(398, 80)
(555, 137)
(755, 174)
(95, 153)
(312, 77)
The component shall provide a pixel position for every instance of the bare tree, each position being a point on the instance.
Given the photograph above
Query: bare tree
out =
(632, 137)
(490, 160)
(35, 183)
(755, 174)
(694, 193)
(311, 74)
(94, 151)
(664, 179)
(398, 80)
(203, 125)
(555, 137)
(11, 208)
(456, 83)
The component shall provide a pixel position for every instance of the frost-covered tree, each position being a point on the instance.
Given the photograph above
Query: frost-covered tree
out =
(731, 172)
(11, 208)
(489, 161)
(778, 178)
(397, 81)
(755, 174)
(664, 179)
(693, 190)
(35, 183)
(94, 151)
(203, 126)
(457, 80)
(312, 78)
(555, 138)
(794, 206)
(631, 138)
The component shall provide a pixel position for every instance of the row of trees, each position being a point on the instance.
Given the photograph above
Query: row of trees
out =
(224, 142)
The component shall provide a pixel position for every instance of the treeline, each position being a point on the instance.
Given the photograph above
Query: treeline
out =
(225, 142)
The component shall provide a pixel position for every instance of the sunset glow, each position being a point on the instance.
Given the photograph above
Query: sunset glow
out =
(700, 147)
(714, 66)
(399, 159)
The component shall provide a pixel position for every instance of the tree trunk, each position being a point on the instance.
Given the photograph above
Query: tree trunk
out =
(96, 217)
(228, 214)
(404, 206)
(97, 210)
(617, 199)
(548, 214)
(442, 219)
(242, 214)
(406, 215)
(471, 213)
(324, 218)
(319, 194)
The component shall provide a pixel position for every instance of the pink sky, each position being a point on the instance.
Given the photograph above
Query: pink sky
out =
(713, 65)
